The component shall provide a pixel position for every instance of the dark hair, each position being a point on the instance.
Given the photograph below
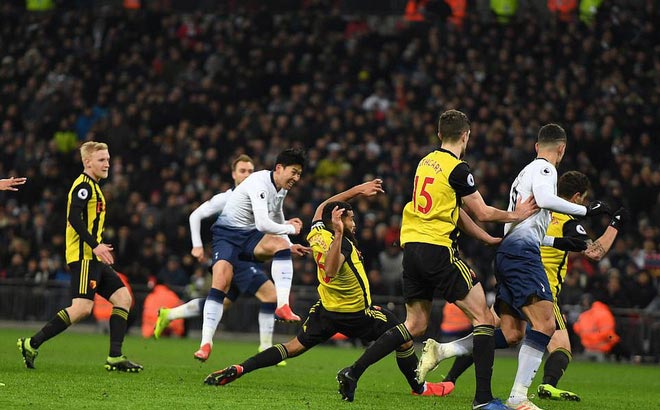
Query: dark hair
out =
(292, 156)
(452, 124)
(551, 134)
(571, 182)
(326, 216)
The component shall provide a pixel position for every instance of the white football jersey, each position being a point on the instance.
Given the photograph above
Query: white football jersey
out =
(538, 178)
(256, 204)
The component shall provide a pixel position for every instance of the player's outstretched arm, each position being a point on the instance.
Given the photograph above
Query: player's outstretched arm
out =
(597, 250)
(370, 188)
(11, 184)
(209, 208)
(486, 213)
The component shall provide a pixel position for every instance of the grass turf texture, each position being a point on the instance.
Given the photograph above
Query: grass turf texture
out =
(69, 374)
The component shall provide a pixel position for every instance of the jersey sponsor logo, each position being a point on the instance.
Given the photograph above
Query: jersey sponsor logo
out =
(546, 171)
(470, 180)
(262, 194)
(581, 230)
(100, 207)
(83, 194)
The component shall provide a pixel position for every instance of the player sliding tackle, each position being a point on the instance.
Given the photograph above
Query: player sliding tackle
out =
(345, 304)
(252, 227)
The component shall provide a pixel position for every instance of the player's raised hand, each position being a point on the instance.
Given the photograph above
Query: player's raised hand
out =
(198, 253)
(371, 188)
(525, 209)
(619, 218)
(10, 184)
(299, 250)
(104, 253)
(297, 223)
(337, 223)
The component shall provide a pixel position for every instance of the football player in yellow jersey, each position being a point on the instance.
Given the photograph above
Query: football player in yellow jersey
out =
(89, 261)
(431, 220)
(567, 232)
(573, 186)
(345, 303)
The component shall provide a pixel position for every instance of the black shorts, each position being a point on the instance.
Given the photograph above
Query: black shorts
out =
(429, 267)
(367, 325)
(91, 277)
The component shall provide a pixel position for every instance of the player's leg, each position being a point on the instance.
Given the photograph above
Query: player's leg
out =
(82, 275)
(417, 316)
(113, 289)
(268, 297)
(223, 272)
(316, 330)
(540, 315)
(482, 346)
(190, 309)
(557, 362)
(278, 248)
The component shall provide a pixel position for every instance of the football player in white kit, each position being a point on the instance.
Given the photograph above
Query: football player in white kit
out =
(252, 228)
(249, 277)
(524, 292)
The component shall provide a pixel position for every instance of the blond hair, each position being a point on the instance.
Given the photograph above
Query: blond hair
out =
(90, 147)
(241, 158)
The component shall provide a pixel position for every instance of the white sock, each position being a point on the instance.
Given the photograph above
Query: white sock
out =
(212, 315)
(266, 327)
(187, 310)
(460, 347)
(529, 361)
(282, 272)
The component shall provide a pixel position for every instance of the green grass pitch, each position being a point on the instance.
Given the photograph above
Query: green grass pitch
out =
(70, 374)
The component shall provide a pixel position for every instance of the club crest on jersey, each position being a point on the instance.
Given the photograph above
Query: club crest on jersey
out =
(470, 180)
(92, 284)
(83, 194)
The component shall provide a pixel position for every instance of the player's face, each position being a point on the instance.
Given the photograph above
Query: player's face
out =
(349, 222)
(98, 164)
(243, 170)
(286, 177)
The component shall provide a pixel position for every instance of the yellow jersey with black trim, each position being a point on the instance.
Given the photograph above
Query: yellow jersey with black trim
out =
(85, 217)
(348, 291)
(441, 180)
(555, 260)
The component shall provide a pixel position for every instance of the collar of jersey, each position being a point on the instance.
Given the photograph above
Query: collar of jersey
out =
(87, 175)
(447, 151)
(273, 180)
(543, 159)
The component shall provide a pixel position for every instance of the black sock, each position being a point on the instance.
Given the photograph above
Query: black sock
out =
(407, 362)
(555, 365)
(54, 327)
(483, 353)
(461, 364)
(118, 325)
(384, 345)
(269, 357)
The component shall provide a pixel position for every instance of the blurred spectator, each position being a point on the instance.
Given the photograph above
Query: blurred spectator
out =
(172, 274)
(362, 97)
(390, 261)
(596, 329)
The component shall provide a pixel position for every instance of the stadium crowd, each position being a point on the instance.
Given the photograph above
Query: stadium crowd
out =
(176, 97)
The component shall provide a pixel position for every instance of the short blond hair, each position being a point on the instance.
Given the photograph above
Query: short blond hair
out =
(241, 158)
(90, 147)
